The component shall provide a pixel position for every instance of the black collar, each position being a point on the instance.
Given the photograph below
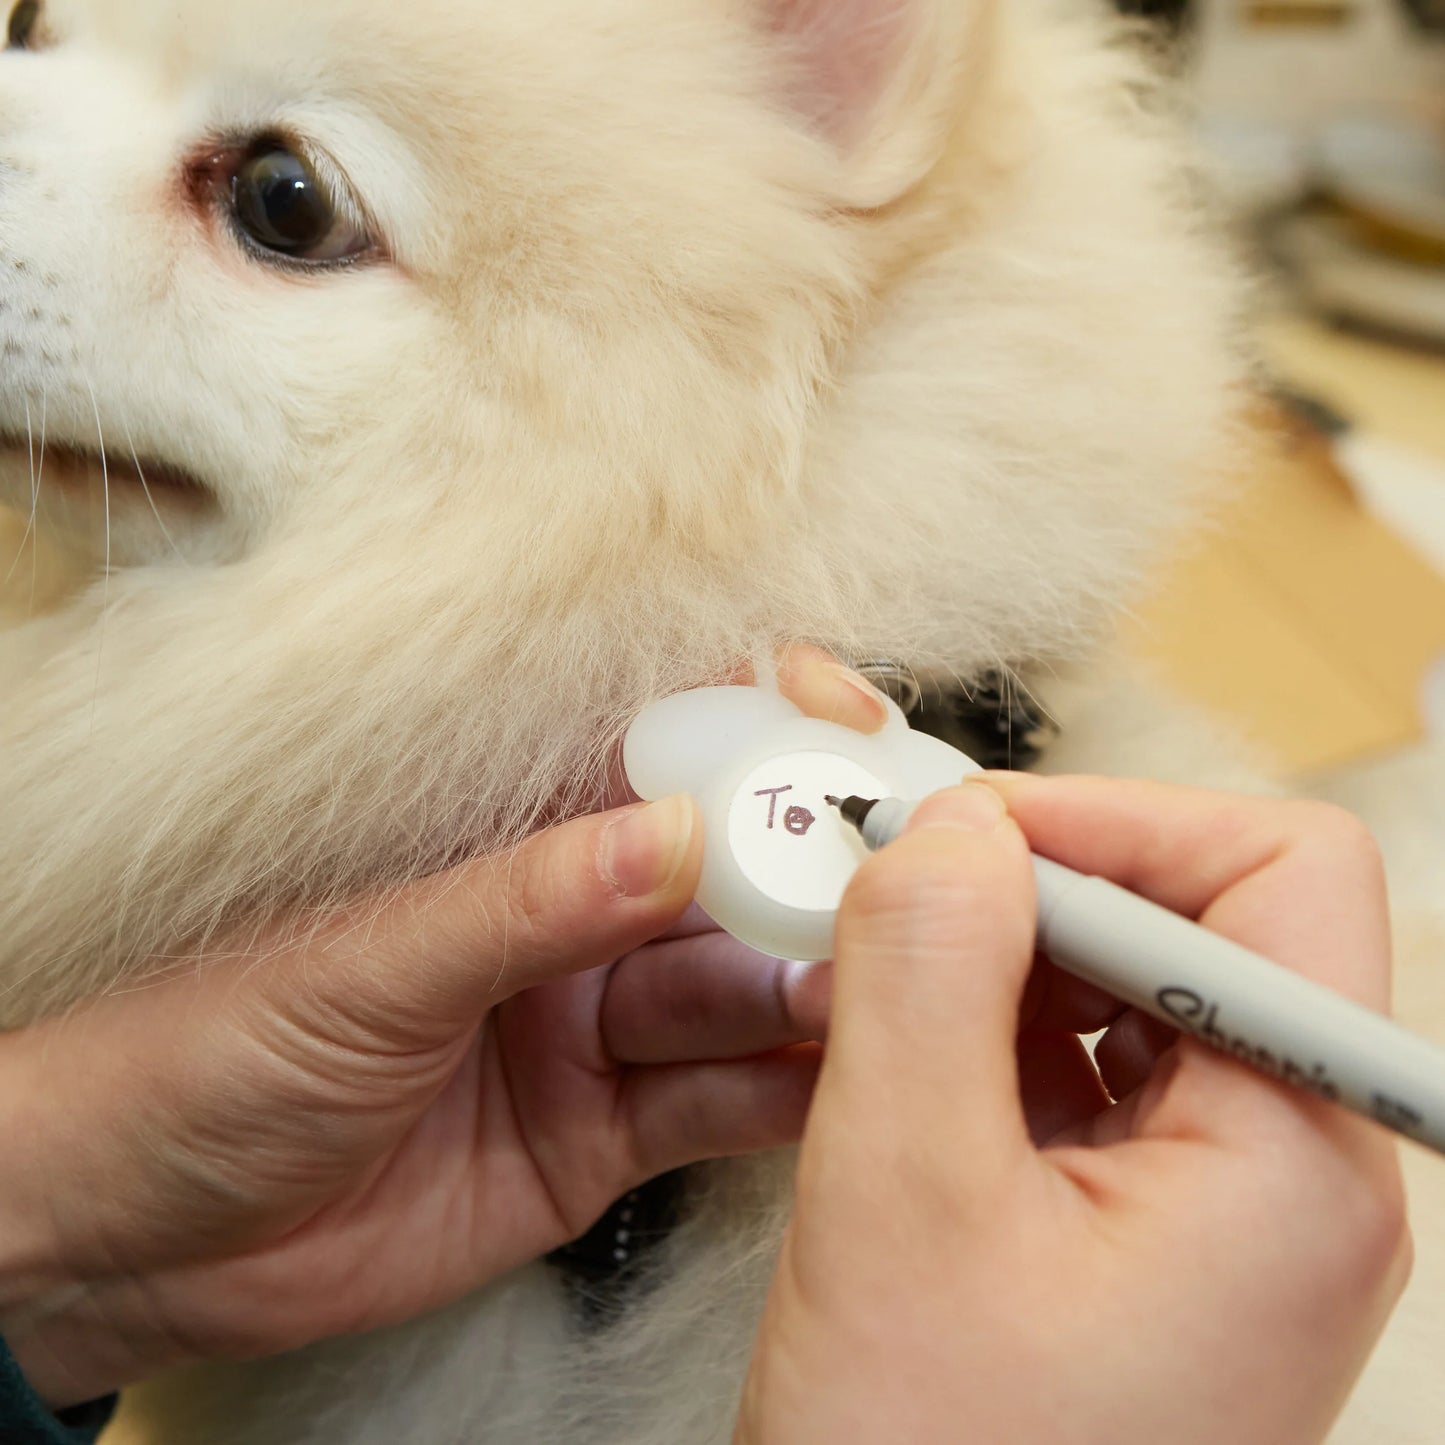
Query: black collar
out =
(994, 721)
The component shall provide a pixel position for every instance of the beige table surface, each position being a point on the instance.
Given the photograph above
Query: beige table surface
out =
(1397, 392)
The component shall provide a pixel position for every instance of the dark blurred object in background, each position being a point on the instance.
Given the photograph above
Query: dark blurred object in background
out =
(1427, 14)
(1175, 12)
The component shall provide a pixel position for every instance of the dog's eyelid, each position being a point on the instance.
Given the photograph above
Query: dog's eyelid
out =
(342, 192)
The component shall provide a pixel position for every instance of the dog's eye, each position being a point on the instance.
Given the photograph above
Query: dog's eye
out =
(284, 207)
(22, 24)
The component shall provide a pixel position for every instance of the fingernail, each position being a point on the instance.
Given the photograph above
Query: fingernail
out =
(864, 709)
(973, 805)
(644, 849)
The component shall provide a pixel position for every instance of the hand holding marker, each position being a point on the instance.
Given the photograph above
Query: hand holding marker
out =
(774, 876)
(1219, 993)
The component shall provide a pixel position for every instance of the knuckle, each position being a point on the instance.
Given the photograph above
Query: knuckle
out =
(1381, 1244)
(1388, 1223)
(530, 887)
(1402, 1263)
(690, 1005)
(1339, 832)
(1385, 1255)
(516, 896)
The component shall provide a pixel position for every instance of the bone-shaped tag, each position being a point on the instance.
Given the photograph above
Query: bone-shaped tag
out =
(776, 857)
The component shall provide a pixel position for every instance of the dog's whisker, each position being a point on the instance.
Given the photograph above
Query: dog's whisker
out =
(105, 583)
(39, 479)
(145, 487)
(35, 498)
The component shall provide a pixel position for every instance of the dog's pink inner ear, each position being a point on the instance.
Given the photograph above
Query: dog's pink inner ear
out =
(883, 80)
(843, 54)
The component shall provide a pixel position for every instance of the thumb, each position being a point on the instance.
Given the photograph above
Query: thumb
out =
(413, 967)
(934, 944)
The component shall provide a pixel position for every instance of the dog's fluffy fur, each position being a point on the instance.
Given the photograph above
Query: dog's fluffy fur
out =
(878, 322)
(700, 325)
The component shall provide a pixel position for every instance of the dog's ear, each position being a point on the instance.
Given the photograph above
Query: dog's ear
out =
(883, 80)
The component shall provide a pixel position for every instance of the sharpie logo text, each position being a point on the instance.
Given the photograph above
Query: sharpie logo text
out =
(1200, 1017)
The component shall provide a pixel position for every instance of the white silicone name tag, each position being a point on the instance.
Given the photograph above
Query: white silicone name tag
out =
(776, 857)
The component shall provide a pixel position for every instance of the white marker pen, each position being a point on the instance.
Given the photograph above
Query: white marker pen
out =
(1219, 993)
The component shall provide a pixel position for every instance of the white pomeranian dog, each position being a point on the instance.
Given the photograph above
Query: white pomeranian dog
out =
(424, 388)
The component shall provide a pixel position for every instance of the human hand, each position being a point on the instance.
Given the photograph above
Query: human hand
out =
(349, 1125)
(983, 1245)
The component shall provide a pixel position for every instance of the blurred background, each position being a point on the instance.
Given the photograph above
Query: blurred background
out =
(1316, 614)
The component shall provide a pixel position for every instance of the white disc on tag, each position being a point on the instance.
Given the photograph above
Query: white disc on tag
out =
(787, 841)
(777, 859)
